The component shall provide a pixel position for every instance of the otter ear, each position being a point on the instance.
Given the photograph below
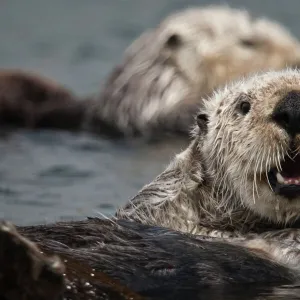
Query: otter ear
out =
(202, 121)
(173, 41)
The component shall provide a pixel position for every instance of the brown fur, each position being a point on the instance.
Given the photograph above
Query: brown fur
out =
(25, 273)
(218, 186)
(107, 259)
(32, 101)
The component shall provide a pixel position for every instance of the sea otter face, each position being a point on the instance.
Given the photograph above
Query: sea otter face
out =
(217, 44)
(252, 142)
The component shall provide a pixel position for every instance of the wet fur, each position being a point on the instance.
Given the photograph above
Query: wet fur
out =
(218, 185)
(159, 84)
(151, 261)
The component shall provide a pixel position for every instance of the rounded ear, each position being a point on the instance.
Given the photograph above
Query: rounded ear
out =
(173, 41)
(202, 121)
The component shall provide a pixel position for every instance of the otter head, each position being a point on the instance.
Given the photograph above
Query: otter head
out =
(217, 44)
(190, 53)
(251, 144)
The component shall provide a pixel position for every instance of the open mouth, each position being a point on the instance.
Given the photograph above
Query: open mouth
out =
(287, 181)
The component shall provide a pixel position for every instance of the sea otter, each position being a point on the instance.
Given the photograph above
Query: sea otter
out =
(117, 259)
(240, 174)
(158, 86)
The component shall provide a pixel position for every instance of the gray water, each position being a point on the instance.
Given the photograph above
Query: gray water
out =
(49, 176)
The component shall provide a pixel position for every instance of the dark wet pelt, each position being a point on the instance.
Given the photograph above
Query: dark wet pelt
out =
(48, 176)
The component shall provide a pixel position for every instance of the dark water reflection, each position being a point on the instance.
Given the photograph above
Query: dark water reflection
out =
(47, 176)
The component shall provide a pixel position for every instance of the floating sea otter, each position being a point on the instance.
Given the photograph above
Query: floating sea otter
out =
(158, 86)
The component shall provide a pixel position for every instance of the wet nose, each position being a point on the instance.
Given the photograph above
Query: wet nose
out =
(287, 113)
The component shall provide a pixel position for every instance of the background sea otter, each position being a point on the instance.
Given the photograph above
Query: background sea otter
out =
(158, 85)
(163, 75)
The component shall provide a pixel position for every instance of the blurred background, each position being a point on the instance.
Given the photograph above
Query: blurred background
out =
(49, 176)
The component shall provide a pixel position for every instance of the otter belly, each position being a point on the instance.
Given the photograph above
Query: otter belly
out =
(118, 258)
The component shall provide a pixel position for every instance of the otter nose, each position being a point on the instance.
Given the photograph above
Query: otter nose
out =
(287, 113)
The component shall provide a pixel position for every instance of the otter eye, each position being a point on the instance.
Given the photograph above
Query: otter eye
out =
(249, 43)
(173, 41)
(245, 107)
(202, 121)
(202, 118)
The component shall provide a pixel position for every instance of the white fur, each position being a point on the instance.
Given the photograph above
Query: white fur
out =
(218, 182)
(158, 88)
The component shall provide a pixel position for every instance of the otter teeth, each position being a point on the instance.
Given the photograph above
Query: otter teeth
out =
(283, 180)
(279, 177)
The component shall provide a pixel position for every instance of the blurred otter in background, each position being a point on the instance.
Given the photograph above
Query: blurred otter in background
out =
(165, 73)
(159, 84)
(31, 101)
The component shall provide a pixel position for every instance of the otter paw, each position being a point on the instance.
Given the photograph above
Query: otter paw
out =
(25, 272)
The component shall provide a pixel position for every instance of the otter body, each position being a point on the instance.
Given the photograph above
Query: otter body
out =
(158, 86)
(126, 260)
(240, 175)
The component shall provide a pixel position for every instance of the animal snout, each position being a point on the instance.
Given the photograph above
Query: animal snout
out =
(287, 113)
